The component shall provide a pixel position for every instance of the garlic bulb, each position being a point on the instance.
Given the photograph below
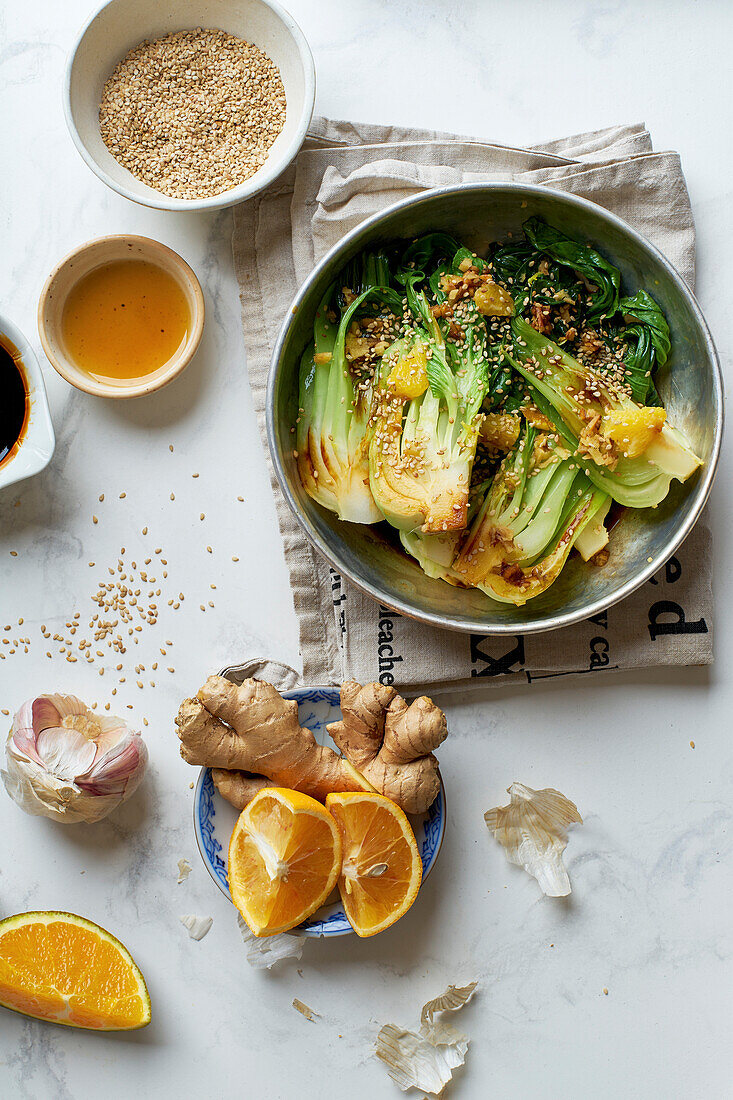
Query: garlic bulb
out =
(65, 762)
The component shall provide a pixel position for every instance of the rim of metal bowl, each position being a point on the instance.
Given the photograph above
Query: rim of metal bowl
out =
(478, 626)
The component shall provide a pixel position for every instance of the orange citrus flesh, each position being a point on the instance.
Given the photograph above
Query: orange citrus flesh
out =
(381, 871)
(63, 968)
(284, 859)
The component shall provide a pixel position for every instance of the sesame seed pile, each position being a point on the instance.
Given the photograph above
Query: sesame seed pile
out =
(194, 113)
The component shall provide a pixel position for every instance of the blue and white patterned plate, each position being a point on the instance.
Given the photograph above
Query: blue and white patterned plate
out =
(214, 818)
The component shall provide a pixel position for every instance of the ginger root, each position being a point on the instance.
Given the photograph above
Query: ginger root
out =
(251, 728)
(250, 737)
(239, 788)
(391, 743)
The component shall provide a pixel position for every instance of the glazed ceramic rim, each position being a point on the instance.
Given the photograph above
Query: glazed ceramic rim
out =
(39, 434)
(186, 278)
(243, 191)
(466, 624)
(295, 693)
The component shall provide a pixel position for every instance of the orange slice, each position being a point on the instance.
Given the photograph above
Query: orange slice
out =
(381, 871)
(63, 968)
(284, 859)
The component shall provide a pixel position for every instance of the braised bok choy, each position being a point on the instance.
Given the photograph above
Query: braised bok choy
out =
(490, 410)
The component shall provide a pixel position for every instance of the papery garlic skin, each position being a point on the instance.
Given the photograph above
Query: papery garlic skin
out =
(197, 927)
(425, 1059)
(532, 829)
(69, 764)
(264, 952)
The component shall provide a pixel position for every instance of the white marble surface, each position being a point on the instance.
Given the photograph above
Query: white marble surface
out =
(649, 918)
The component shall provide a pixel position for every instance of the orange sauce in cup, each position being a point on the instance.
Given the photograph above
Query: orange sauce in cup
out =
(125, 320)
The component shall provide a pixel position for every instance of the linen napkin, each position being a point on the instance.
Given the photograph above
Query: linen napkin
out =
(347, 171)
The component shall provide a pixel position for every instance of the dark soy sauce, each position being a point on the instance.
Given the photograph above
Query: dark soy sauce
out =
(13, 398)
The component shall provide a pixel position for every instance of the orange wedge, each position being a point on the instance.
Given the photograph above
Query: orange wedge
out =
(68, 970)
(381, 871)
(284, 859)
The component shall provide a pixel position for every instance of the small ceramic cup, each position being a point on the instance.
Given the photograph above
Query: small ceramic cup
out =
(78, 264)
(120, 25)
(35, 447)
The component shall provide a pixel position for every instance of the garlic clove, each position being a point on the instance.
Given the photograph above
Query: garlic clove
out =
(65, 752)
(23, 734)
(109, 737)
(60, 706)
(119, 770)
(45, 713)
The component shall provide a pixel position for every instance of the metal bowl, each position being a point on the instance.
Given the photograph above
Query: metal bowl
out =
(690, 385)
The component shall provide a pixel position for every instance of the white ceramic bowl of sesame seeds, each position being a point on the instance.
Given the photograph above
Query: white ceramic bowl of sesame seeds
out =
(122, 25)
